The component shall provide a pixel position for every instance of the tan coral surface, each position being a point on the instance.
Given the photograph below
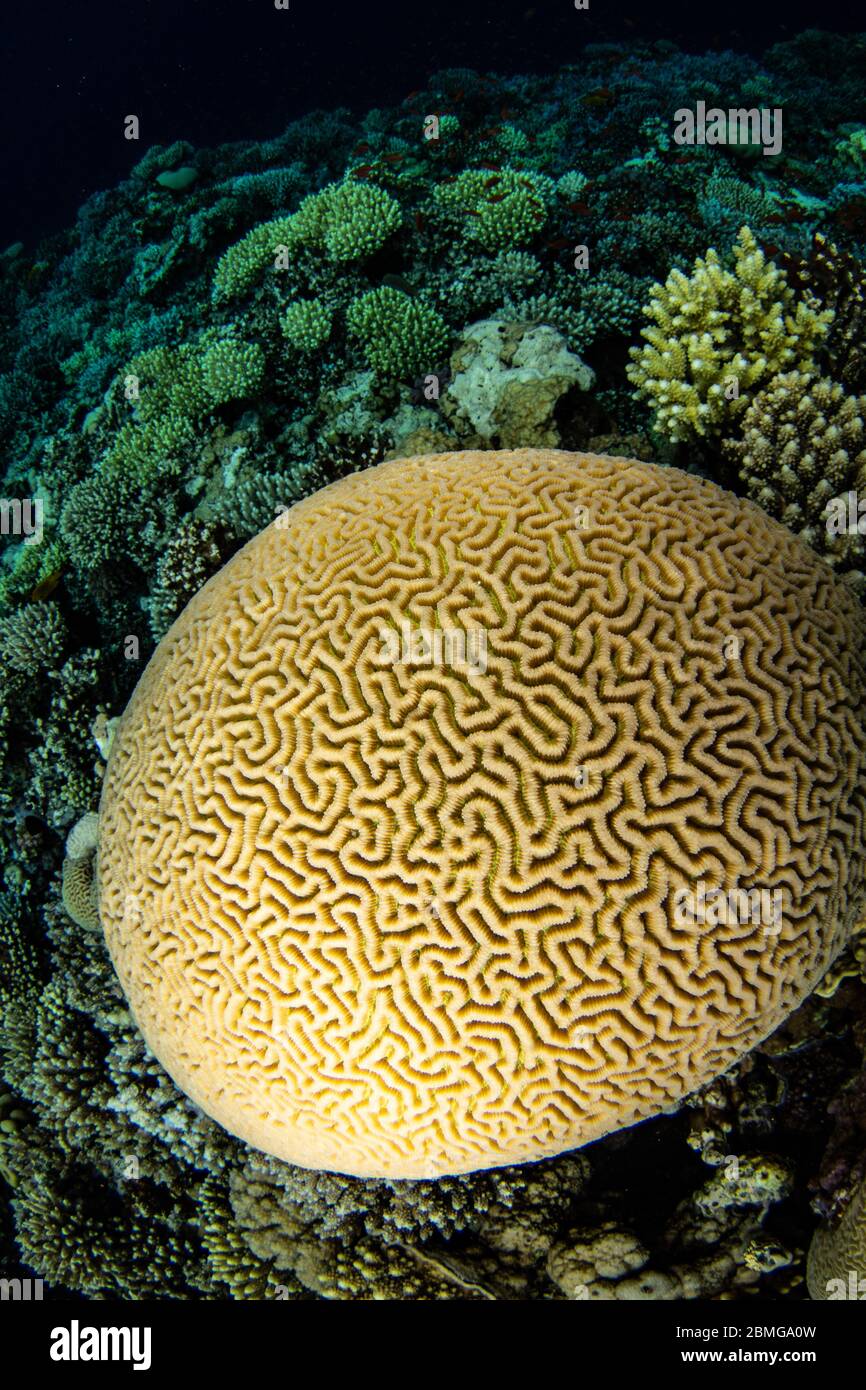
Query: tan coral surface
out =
(836, 1267)
(409, 918)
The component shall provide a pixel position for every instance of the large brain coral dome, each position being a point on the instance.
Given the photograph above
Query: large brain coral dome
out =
(426, 835)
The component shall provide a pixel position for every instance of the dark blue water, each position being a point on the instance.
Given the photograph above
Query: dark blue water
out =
(215, 70)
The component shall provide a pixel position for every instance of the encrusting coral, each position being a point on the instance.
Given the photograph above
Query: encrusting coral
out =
(506, 381)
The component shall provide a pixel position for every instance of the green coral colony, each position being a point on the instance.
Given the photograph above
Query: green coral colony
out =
(227, 331)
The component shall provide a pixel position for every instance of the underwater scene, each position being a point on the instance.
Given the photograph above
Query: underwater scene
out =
(433, 679)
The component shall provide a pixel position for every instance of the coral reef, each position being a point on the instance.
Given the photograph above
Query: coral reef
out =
(196, 354)
(717, 334)
(304, 1087)
(803, 444)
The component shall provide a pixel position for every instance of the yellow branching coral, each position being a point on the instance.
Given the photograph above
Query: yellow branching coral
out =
(717, 335)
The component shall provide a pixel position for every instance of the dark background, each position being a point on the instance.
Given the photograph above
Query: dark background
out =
(216, 70)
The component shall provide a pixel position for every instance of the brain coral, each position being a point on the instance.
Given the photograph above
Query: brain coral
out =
(836, 1267)
(387, 904)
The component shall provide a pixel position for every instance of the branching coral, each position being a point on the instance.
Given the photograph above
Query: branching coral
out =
(102, 1244)
(259, 498)
(170, 390)
(717, 336)
(838, 280)
(347, 220)
(243, 263)
(400, 335)
(306, 324)
(803, 443)
(596, 308)
(503, 209)
(348, 1239)
(231, 370)
(191, 555)
(32, 639)
(103, 522)
(64, 781)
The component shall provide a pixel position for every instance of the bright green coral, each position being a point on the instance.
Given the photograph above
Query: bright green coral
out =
(306, 324)
(718, 335)
(401, 337)
(231, 370)
(347, 220)
(501, 209)
(169, 389)
(243, 263)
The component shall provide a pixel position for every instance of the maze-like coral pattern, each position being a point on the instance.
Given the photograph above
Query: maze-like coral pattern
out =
(836, 1267)
(412, 918)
